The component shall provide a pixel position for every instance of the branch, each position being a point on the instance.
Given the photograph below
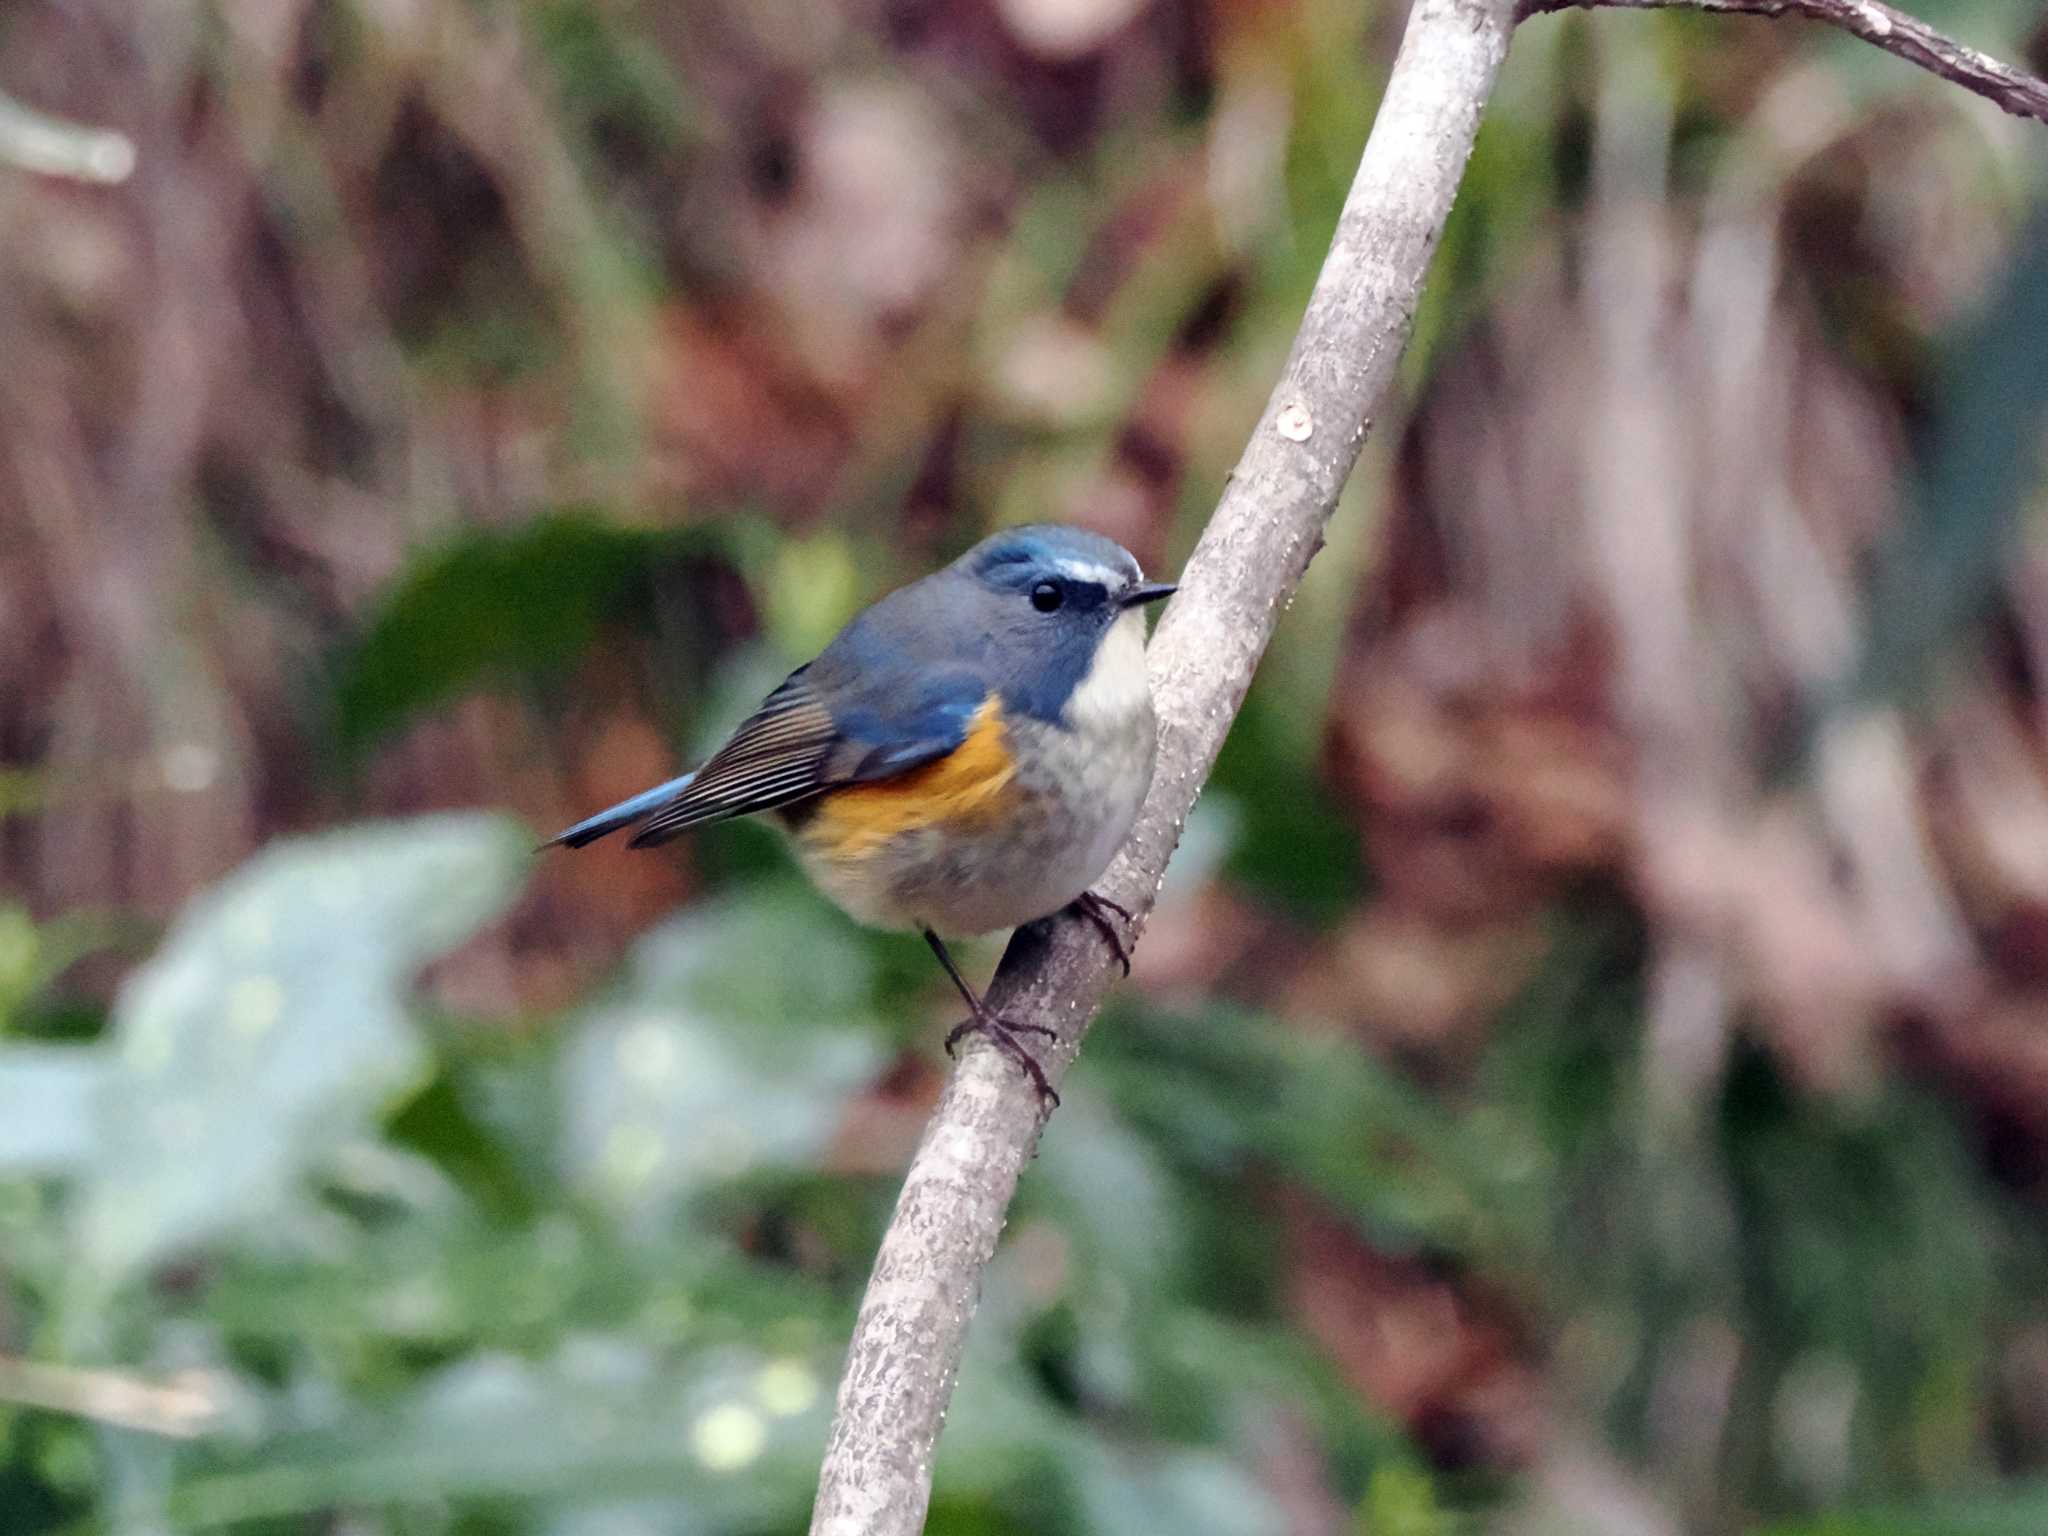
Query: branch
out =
(907, 1343)
(2018, 92)
(37, 142)
(188, 1404)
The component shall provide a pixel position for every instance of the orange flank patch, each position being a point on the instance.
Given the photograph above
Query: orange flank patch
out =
(967, 783)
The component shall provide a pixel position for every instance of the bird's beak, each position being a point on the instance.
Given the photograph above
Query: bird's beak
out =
(1145, 592)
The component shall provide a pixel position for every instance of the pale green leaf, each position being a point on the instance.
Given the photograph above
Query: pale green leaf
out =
(733, 1044)
(272, 1027)
(601, 1424)
(46, 1106)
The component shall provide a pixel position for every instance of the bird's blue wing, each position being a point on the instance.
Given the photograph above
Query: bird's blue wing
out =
(779, 754)
(797, 745)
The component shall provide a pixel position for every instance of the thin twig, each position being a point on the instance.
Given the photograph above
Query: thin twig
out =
(1894, 31)
(49, 145)
(907, 1344)
(188, 1404)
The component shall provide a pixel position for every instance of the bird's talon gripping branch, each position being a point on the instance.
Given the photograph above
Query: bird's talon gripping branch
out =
(1000, 1031)
(1097, 909)
(1003, 1035)
(991, 1024)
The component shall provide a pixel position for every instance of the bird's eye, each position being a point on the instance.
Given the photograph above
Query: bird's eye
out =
(1046, 597)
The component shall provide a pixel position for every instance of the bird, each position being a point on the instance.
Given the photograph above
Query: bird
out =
(965, 756)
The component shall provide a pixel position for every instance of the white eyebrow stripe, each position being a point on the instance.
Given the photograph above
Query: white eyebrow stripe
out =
(1088, 570)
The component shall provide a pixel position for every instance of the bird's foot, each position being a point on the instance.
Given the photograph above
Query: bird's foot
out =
(1097, 909)
(1003, 1033)
(1000, 1031)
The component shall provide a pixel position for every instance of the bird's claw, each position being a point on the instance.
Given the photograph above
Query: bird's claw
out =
(1002, 1033)
(1097, 909)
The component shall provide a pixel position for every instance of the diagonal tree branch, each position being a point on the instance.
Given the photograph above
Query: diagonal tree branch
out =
(1893, 30)
(907, 1342)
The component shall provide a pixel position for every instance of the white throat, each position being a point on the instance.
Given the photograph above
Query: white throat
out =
(1115, 692)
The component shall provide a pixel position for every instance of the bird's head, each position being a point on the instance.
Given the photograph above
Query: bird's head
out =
(1063, 610)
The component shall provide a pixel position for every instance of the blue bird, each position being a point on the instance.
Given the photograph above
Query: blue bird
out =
(967, 755)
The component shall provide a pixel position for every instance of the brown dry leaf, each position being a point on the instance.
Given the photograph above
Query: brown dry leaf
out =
(1560, 787)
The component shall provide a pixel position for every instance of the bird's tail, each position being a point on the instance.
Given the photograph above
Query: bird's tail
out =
(624, 814)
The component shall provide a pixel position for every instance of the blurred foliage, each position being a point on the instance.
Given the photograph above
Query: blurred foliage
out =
(602, 1278)
(1983, 466)
(1543, 1104)
(491, 608)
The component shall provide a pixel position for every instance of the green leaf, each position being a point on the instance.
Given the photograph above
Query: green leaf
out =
(272, 1027)
(2021, 1510)
(485, 607)
(1221, 1088)
(33, 954)
(46, 1106)
(733, 1044)
(1400, 1500)
(1292, 845)
(1109, 1190)
(607, 73)
(735, 1437)
(1207, 1376)
(1167, 1492)
(21, 962)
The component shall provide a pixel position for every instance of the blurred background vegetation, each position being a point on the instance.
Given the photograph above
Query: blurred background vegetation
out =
(1589, 1072)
